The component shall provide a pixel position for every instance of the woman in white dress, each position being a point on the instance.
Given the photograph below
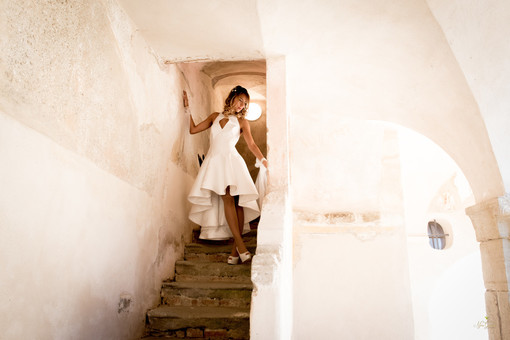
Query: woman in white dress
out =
(223, 196)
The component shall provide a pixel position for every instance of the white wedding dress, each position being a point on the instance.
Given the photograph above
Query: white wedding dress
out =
(223, 166)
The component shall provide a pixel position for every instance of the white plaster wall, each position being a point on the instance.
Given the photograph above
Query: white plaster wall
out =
(199, 30)
(337, 166)
(477, 32)
(447, 285)
(371, 60)
(74, 239)
(381, 60)
(355, 61)
(385, 60)
(348, 288)
(96, 163)
(271, 314)
(351, 274)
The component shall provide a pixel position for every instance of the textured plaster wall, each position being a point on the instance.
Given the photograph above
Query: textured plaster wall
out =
(378, 60)
(96, 162)
(200, 29)
(477, 32)
(350, 267)
(272, 298)
(81, 76)
(345, 60)
(351, 61)
(385, 60)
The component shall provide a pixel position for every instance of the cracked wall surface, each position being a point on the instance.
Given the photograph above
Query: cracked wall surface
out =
(96, 166)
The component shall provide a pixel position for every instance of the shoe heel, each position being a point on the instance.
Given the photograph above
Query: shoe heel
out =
(233, 259)
(244, 256)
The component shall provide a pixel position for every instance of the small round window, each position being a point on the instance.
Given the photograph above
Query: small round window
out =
(437, 237)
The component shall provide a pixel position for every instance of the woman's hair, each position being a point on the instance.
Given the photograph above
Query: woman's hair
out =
(228, 109)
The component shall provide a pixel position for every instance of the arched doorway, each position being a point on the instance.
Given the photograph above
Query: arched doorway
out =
(446, 282)
(362, 260)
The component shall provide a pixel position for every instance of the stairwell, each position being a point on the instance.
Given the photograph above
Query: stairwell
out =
(208, 299)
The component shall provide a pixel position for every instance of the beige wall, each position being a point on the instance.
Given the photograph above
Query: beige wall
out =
(435, 189)
(476, 32)
(350, 266)
(199, 30)
(381, 61)
(385, 61)
(347, 62)
(96, 165)
(99, 108)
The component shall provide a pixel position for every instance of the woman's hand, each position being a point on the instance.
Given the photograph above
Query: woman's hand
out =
(184, 99)
(264, 162)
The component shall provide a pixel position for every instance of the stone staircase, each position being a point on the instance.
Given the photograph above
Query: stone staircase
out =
(208, 299)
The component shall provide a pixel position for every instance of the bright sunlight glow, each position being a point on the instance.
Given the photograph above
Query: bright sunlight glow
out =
(254, 111)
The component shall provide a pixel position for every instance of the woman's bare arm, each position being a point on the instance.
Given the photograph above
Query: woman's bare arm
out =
(203, 125)
(246, 131)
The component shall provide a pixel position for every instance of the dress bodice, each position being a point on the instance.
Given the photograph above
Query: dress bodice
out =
(224, 138)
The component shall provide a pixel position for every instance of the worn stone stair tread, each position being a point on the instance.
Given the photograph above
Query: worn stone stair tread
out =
(202, 312)
(207, 248)
(188, 278)
(208, 285)
(171, 318)
(207, 298)
(213, 267)
(211, 271)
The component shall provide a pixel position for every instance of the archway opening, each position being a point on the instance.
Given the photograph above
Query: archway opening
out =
(436, 193)
(365, 213)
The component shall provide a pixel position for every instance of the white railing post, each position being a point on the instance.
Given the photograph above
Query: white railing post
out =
(271, 308)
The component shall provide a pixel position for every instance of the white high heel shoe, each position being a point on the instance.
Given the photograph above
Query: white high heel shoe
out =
(233, 259)
(244, 256)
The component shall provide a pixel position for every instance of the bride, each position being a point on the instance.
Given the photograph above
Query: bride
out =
(223, 196)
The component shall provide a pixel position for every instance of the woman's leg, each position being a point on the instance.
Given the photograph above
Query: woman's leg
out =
(240, 223)
(232, 220)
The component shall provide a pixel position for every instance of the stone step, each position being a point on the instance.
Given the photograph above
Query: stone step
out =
(194, 322)
(208, 293)
(212, 271)
(193, 333)
(213, 252)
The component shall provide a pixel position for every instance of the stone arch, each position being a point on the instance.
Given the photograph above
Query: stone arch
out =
(365, 153)
(491, 222)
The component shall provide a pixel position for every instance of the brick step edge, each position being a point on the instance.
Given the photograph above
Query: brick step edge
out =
(204, 255)
(166, 320)
(193, 278)
(212, 269)
(206, 285)
(199, 334)
(192, 293)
